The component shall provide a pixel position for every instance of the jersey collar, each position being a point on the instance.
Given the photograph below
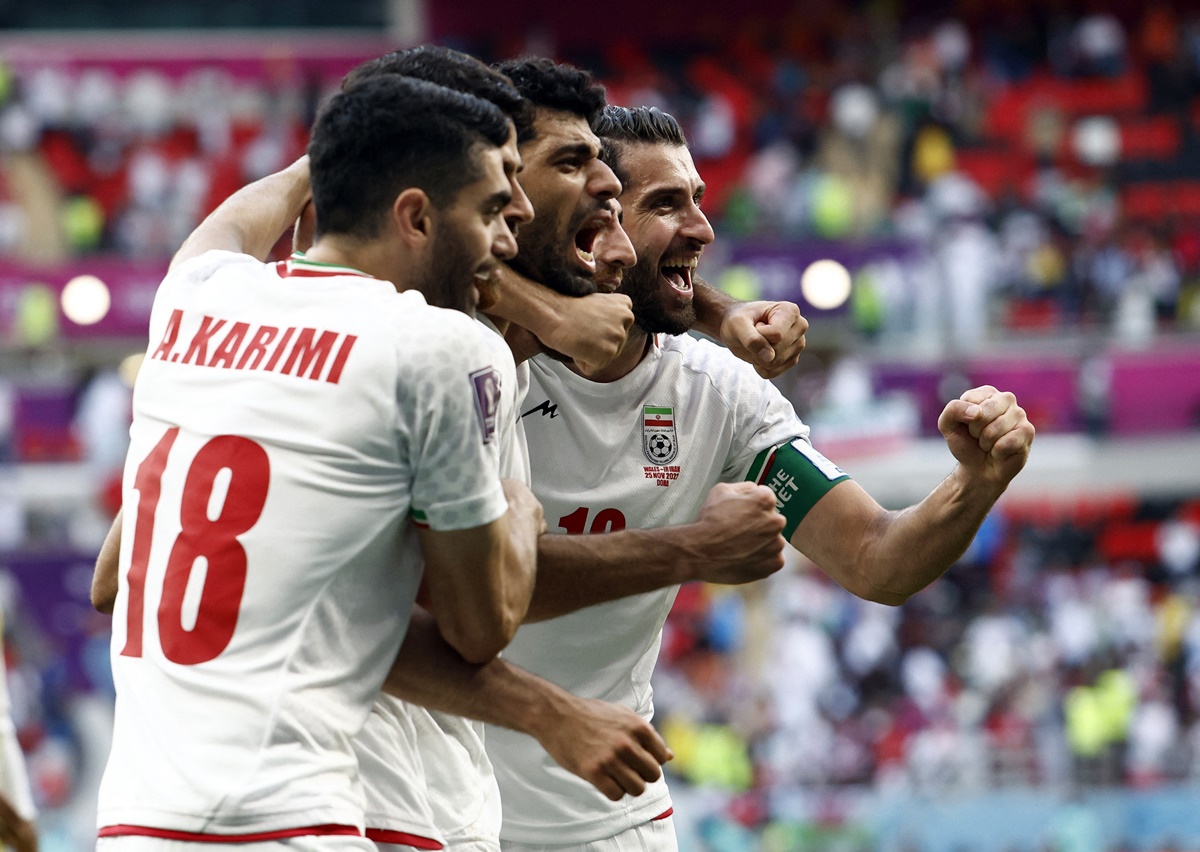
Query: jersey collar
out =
(299, 266)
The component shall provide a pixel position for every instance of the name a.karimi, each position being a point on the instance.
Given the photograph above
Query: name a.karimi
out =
(302, 352)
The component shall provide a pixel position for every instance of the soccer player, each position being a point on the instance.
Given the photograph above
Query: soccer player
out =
(631, 454)
(288, 421)
(458, 803)
(572, 193)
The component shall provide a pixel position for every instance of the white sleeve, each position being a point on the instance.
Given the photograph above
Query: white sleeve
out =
(763, 419)
(14, 779)
(192, 272)
(450, 398)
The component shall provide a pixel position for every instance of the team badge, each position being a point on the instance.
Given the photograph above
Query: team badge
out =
(659, 441)
(486, 383)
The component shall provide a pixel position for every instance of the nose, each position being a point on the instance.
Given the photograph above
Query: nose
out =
(602, 183)
(613, 247)
(504, 244)
(697, 227)
(520, 210)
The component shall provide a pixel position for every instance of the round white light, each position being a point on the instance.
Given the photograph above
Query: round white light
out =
(85, 300)
(825, 284)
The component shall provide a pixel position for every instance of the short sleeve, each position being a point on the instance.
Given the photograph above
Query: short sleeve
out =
(450, 398)
(191, 273)
(763, 419)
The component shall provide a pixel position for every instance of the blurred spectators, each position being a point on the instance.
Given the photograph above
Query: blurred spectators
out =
(1062, 650)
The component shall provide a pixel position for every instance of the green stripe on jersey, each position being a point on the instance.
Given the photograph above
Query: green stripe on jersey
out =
(419, 516)
(650, 409)
(300, 259)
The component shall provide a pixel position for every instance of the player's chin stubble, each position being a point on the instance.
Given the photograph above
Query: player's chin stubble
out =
(650, 313)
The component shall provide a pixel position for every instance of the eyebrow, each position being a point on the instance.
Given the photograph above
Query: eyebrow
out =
(578, 149)
(656, 192)
(501, 198)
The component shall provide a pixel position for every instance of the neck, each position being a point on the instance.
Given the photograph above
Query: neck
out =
(369, 256)
(633, 350)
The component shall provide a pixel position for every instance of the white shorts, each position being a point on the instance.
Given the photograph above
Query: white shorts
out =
(658, 835)
(307, 843)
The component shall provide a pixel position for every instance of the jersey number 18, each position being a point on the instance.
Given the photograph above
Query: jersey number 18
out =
(214, 539)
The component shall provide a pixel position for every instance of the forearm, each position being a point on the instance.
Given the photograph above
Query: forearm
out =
(712, 306)
(913, 547)
(527, 304)
(429, 673)
(577, 571)
(105, 576)
(253, 219)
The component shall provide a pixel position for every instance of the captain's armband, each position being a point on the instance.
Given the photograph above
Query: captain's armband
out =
(799, 476)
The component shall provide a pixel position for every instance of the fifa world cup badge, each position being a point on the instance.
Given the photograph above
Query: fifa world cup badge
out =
(659, 441)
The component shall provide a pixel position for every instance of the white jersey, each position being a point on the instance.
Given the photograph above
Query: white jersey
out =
(425, 774)
(639, 452)
(287, 420)
(14, 777)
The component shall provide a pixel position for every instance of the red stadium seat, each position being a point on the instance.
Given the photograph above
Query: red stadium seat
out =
(1150, 138)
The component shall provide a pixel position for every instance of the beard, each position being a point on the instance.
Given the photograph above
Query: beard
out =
(540, 258)
(448, 279)
(651, 313)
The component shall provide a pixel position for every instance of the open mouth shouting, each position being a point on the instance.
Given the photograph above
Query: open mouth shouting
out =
(678, 272)
(585, 242)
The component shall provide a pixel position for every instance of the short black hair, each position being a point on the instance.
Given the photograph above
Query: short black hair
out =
(389, 134)
(556, 86)
(618, 126)
(452, 69)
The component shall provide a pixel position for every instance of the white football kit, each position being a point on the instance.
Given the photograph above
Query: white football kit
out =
(14, 777)
(428, 781)
(288, 419)
(639, 452)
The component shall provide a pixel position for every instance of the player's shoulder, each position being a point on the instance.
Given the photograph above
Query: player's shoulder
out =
(207, 264)
(704, 360)
(448, 336)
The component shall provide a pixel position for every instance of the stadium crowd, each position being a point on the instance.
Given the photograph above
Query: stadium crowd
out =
(1045, 160)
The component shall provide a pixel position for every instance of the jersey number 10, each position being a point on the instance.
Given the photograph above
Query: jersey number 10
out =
(606, 520)
(214, 539)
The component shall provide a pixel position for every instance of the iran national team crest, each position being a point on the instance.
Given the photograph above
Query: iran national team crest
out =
(659, 441)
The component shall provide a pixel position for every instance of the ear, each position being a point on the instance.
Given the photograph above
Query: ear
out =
(412, 217)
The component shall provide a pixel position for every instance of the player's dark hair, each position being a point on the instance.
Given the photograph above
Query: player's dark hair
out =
(556, 86)
(389, 134)
(618, 126)
(452, 69)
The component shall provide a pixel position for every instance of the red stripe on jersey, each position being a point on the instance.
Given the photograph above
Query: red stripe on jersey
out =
(385, 835)
(197, 837)
(664, 814)
(663, 423)
(288, 269)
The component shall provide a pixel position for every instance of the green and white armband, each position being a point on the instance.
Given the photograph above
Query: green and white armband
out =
(799, 476)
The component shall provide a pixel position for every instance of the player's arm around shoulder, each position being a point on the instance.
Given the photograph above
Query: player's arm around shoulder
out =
(253, 219)
(478, 534)
(887, 556)
(767, 335)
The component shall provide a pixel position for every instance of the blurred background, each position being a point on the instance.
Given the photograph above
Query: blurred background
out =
(954, 192)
